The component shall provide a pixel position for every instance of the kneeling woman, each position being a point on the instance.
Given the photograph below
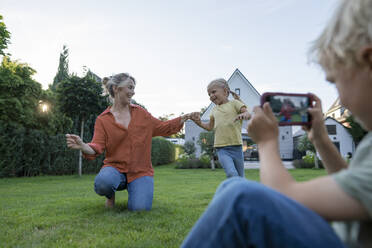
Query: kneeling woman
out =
(124, 131)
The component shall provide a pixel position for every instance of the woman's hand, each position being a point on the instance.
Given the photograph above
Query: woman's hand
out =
(195, 116)
(317, 132)
(74, 142)
(263, 125)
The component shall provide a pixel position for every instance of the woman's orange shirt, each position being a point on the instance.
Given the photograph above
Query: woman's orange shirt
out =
(129, 149)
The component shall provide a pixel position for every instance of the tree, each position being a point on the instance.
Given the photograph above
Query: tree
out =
(206, 141)
(356, 130)
(80, 98)
(4, 36)
(19, 94)
(62, 72)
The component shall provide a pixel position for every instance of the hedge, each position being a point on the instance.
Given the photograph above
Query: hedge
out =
(29, 152)
(162, 152)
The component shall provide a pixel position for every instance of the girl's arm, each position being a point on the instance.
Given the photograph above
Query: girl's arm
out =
(195, 116)
(244, 114)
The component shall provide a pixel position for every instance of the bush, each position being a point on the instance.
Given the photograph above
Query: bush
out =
(302, 164)
(162, 152)
(178, 151)
(189, 147)
(190, 162)
(31, 152)
(307, 161)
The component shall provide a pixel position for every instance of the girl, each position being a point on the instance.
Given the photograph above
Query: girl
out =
(226, 120)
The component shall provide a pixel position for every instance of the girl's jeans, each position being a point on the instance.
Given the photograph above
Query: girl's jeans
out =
(248, 214)
(140, 191)
(232, 160)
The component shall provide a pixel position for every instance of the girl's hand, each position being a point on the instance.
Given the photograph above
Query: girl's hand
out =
(74, 142)
(195, 116)
(185, 117)
(318, 130)
(263, 125)
(243, 116)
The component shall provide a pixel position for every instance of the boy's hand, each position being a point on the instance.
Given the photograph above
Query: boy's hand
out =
(263, 125)
(74, 142)
(243, 116)
(318, 130)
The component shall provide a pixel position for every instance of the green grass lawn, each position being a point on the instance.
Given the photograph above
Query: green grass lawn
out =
(64, 211)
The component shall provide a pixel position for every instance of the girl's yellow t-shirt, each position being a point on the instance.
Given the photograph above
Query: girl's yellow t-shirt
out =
(227, 130)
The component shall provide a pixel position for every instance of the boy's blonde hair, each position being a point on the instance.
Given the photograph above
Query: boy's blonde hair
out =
(220, 82)
(348, 30)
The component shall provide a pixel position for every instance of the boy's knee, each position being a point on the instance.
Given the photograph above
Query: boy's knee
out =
(238, 188)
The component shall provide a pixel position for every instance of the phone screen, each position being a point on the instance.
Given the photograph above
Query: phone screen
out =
(289, 109)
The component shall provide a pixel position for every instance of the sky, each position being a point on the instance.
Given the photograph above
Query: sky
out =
(174, 48)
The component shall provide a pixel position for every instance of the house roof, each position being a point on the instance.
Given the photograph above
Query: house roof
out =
(237, 71)
(336, 105)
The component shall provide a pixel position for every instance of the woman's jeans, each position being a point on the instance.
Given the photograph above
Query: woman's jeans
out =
(248, 214)
(232, 160)
(140, 191)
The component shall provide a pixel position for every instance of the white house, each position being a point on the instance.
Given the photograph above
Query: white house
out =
(338, 134)
(250, 96)
(338, 112)
(176, 141)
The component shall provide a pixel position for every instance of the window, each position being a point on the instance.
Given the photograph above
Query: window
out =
(337, 144)
(342, 110)
(331, 129)
(237, 91)
(283, 137)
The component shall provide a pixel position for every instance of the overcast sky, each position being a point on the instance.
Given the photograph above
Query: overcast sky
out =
(174, 48)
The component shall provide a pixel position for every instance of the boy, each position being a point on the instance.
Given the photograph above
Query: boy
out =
(286, 213)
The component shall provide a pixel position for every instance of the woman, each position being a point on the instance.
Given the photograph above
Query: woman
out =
(124, 132)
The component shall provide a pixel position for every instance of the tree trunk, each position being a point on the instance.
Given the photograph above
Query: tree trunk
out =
(80, 153)
(212, 163)
(316, 161)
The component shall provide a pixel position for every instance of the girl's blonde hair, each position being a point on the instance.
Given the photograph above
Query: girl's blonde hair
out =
(220, 82)
(119, 80)
(348, 30)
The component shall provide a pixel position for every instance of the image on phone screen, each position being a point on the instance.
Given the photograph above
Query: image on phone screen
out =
(289, 109)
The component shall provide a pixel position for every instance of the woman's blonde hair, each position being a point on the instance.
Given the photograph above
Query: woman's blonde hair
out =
(220, 82)
(348, 30)
(119, 80)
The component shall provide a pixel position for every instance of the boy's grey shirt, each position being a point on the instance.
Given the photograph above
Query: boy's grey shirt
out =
(356, 181)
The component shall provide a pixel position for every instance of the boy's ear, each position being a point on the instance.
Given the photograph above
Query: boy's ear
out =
(365, 55)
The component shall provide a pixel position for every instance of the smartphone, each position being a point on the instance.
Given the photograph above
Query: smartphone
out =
(289, 108)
